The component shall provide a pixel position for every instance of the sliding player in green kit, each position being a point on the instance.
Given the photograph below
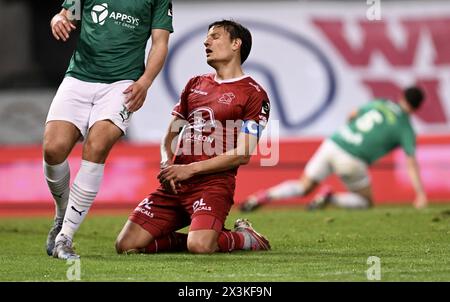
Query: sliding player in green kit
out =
(106, 81)
(374, 130)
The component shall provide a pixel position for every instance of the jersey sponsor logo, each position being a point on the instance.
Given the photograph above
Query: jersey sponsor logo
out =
(200, 120)
(124, 19)
(100, 13)
(227, 98)
(202, 117)
(199, 138)
(200, 205)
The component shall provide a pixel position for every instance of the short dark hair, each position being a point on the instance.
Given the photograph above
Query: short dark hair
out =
(414, 96)
(237, 31)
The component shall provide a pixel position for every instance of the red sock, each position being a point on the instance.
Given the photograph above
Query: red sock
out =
(230, 241)
(174, 242)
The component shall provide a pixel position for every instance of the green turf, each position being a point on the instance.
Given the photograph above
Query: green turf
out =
(332, 245)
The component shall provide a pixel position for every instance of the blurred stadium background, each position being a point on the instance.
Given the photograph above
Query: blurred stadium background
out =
(317, 60)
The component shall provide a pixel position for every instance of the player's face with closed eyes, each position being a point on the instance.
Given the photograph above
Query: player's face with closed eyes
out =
(218, 46)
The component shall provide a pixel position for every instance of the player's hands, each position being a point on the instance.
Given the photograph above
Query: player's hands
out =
(169, 186)
(174, 174)
(61, 27)
(165, 164)
(421, 201)
(136, 94)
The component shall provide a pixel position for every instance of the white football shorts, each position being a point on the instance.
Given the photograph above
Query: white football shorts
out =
(330, 158)
(84, 103)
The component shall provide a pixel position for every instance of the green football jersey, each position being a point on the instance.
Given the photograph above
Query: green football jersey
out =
(113, 37)
(379, 127)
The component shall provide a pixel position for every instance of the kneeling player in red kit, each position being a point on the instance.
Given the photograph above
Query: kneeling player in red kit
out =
(216, 126)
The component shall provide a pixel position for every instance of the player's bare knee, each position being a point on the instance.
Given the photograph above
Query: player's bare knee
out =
(121, 242)
(55, 152)
(119, 247)
(123, 245)
(201, 247)
(95, 151)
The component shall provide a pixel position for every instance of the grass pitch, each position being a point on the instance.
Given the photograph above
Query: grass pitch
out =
(331, 245)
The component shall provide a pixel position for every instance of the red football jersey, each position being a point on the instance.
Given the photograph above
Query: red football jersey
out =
(213, 113)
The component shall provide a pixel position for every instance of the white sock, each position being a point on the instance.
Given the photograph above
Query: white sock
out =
(58, 180)
(286, 189)
(82, 195)
(350, 200)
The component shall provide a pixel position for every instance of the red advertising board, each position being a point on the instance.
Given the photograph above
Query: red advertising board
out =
(131, 170)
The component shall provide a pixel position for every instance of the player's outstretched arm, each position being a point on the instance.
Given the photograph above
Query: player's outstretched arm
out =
(137, 92)
(61, 26)
(414, 173)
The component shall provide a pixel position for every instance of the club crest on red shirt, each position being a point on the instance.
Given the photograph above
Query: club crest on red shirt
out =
(227, 98)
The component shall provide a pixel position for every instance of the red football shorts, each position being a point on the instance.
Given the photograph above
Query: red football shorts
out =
(203, 204)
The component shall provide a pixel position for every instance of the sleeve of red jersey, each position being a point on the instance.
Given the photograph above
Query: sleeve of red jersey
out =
(181, 109)
(256, 113)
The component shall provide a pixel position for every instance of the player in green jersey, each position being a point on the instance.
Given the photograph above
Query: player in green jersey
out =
(371, 132)
(106, 81)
